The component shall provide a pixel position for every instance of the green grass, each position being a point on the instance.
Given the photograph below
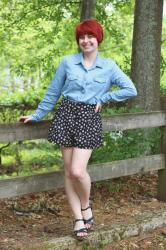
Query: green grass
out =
(31, 157)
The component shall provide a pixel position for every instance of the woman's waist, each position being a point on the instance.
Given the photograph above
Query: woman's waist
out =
(77, 103)
(81, 99)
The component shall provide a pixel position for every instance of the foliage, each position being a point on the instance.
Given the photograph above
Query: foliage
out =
(34, 37)
(120, 145)
(28, 158)
(37, 34)
(163, 60)
(107, 111)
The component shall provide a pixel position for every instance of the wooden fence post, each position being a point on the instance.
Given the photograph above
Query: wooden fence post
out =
(161, 194)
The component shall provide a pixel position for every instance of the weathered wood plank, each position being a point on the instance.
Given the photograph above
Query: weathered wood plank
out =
(135, 120)
(43, 182)
(127, 167)
(20, 132)
(37, 130)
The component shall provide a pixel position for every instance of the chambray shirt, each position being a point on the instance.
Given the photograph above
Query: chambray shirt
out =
(88, 85)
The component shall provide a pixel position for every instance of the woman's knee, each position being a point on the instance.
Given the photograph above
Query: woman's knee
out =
(74, 173)
(77, 174)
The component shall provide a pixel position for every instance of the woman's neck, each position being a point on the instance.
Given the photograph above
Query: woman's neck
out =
(89, 59)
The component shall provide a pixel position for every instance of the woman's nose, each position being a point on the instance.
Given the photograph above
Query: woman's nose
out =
(85, 39)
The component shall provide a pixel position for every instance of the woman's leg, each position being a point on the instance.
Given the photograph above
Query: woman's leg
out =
(82, 181)
(71, 193)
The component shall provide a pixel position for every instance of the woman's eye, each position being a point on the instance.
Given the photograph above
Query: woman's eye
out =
(90, 36)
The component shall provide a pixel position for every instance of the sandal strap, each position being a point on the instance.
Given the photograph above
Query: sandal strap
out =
(81, 230)
(79, 220)
(84, 209)
(89, 221)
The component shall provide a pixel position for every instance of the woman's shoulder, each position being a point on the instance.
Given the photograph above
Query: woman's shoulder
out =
(107, 61)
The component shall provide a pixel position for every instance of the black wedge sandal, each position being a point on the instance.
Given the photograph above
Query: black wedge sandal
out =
(81, 230)
(89, 221)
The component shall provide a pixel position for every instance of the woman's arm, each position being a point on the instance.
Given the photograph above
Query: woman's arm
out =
(120, 79)
(52, 95)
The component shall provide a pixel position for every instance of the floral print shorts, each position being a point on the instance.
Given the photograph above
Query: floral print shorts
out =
(76, 124)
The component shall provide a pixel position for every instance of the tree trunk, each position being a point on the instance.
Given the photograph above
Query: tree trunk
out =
(146, 50)
(87, 9)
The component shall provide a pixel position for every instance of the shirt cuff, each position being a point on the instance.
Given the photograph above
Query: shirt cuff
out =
(35, 118)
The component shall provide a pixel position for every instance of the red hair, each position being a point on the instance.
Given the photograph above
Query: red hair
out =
(91, 27)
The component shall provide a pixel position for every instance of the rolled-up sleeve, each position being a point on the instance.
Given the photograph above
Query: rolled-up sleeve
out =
(52, 94)
(120, 79)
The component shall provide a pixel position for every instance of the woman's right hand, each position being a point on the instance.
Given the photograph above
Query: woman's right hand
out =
(25, 119)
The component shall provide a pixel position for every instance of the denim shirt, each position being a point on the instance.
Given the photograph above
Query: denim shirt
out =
(88, 85)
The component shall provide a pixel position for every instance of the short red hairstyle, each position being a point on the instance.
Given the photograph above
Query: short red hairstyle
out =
(91, 27)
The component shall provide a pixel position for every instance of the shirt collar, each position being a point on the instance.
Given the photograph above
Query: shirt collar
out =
(98, 62)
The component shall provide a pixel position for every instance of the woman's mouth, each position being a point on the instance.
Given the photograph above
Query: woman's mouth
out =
(86, 46)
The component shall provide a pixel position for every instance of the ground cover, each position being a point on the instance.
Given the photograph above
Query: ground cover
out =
(27, 222)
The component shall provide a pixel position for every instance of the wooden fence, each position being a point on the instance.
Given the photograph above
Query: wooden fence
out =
(43, 182)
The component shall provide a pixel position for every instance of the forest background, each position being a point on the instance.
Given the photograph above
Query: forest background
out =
(34, 36)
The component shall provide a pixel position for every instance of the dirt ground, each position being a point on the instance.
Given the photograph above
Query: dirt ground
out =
(29, 220)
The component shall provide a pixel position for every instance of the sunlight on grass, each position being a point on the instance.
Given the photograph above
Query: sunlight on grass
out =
(33, 158)
(8, 160)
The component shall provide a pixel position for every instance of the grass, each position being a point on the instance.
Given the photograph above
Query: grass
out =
(30, 158)
(154, 241)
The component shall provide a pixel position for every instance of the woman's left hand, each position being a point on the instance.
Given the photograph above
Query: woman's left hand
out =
(98, 107)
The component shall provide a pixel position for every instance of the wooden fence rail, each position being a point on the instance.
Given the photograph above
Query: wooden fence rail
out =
(42, 182)
(37, 130)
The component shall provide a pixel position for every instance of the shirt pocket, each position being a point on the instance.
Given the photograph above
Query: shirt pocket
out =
(99, 80)
(72, 77)
(73, 81)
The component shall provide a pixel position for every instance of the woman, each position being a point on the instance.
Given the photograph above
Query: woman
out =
(84, 80)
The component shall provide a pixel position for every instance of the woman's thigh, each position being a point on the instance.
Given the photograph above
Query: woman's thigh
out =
(67, 153)
(80, 158)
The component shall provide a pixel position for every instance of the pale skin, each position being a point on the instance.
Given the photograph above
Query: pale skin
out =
(77, 179)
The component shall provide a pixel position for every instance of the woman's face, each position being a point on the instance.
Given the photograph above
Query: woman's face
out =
(88, 43)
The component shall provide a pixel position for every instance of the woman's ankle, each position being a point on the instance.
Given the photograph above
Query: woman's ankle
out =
(85, 204)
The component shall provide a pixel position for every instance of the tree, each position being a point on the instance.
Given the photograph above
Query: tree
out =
(146, 53)
(87, 9)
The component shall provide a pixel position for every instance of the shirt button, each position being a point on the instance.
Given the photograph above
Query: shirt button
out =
(83, 91)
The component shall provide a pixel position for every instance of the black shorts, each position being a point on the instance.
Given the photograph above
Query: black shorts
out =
(76, 124)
